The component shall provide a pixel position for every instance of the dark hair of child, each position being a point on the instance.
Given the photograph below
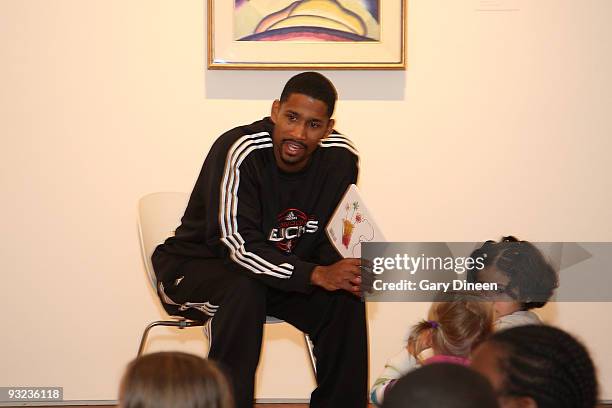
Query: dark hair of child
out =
(441, 385)
(532, 280)
(546, 364)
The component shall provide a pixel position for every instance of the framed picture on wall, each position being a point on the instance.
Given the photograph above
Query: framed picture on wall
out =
(296, 34)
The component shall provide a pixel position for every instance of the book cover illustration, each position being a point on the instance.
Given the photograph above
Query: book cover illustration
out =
(351, 224)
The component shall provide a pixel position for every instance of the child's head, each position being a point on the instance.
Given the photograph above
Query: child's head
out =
(173, 380)
(525, 279)
(441, 385)
(538, 367)
(453, 328)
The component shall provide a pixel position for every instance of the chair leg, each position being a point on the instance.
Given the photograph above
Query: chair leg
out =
(313, 361)
(208, 334)
(143, 340)
(181, 324)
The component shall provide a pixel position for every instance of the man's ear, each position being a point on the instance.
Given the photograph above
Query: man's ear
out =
(274, 111)
(330, 127)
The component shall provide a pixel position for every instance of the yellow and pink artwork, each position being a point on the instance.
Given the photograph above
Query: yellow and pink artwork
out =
(307, 20)
(352, 224)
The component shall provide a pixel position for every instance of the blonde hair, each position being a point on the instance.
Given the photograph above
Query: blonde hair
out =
(173, 380)
(453, 328)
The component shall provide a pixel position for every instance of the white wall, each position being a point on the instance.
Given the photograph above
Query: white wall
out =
(500, 125)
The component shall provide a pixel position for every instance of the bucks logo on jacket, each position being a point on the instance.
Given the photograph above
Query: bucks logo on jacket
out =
(291, 225)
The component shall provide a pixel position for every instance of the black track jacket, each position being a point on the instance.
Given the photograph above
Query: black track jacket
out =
(263, 221)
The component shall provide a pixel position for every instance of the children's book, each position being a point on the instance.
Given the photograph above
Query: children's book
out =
(351, 224)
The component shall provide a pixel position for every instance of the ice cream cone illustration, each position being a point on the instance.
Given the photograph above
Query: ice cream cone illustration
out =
(348, 225)
(347, 232)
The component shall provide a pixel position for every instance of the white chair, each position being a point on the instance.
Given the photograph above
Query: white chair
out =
(158, 216)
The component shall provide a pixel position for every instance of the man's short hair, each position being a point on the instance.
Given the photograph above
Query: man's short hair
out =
(314, 85)
(441, 385)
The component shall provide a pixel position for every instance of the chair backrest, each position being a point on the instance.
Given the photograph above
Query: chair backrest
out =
(159, 214)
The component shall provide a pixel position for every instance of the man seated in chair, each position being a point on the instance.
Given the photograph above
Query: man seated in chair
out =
(252, 243)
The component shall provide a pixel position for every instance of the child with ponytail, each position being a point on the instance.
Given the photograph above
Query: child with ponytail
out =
(451, 331)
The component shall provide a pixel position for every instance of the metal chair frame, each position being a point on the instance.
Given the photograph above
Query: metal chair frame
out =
(178, 321)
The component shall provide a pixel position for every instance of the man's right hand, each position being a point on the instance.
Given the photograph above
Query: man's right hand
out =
(344, 274)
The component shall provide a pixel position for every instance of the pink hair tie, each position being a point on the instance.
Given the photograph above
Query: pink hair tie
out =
(433, 324)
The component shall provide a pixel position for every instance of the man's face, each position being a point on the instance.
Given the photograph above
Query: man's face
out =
(299, 124)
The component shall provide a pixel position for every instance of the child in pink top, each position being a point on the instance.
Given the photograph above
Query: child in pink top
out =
(452, 330)
(447, 359)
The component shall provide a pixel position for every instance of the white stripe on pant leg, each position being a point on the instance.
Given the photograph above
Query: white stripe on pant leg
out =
(205, 307)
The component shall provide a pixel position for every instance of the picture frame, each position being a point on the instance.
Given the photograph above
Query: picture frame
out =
(312, 34)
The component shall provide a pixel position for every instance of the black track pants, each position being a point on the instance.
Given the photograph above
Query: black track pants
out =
(238, 305)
